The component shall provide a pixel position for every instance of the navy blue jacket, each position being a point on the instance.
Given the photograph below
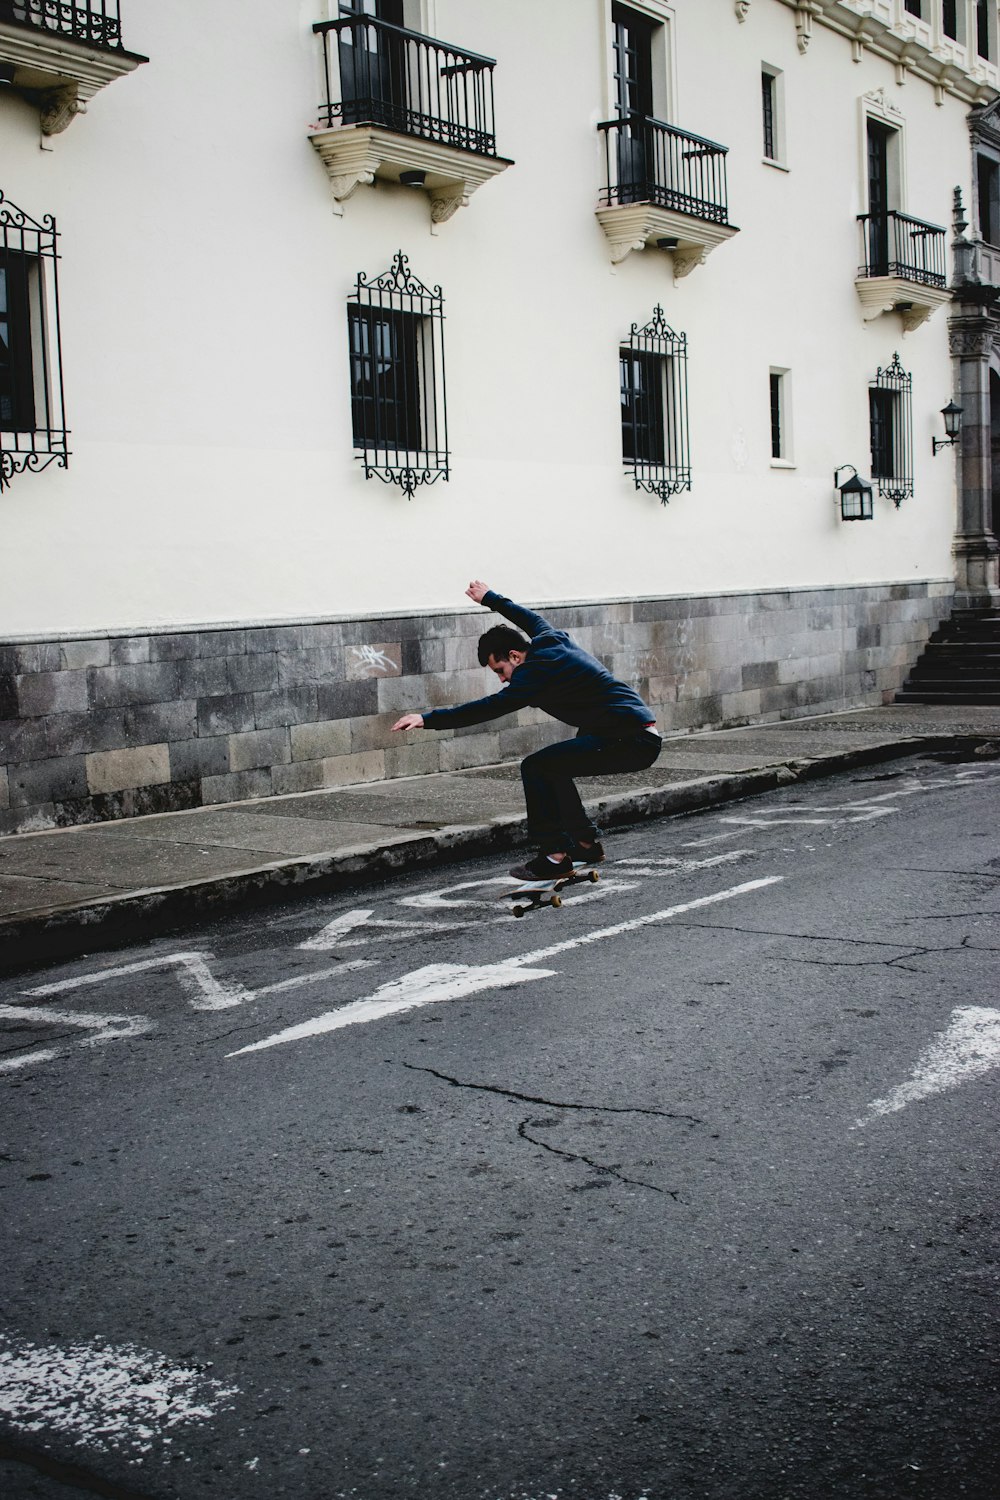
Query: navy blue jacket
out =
(556, 676)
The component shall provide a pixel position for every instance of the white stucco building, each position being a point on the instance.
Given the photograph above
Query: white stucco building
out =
(677, 263)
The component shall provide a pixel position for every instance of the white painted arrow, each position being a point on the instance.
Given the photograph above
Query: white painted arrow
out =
(438, 982)
(423, 987)
(968, 1049)
(204, 991)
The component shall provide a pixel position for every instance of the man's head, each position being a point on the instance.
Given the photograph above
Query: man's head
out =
(502, 650)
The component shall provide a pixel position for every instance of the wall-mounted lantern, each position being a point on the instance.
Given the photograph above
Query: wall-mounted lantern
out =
(855, 495)
(952, 414)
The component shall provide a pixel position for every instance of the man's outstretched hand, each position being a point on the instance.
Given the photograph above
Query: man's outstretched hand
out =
(476, 590)
(409, 721)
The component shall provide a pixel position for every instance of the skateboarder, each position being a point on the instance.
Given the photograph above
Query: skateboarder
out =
(616, 731)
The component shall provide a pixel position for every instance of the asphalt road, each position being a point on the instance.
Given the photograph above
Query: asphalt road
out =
(686, 1191)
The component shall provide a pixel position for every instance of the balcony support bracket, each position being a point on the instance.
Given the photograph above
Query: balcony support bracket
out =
(912, 300)
(633, 226)
(359, 155)
(58, 74)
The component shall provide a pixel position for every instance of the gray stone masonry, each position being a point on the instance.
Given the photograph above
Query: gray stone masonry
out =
(116, 727)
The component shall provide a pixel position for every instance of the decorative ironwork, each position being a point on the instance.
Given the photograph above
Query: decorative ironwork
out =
(647, 161)
(398, 399)
(890, 405)
(33, 430)
(96, 22)
(893, 244)
(654, 401)
(380, 74)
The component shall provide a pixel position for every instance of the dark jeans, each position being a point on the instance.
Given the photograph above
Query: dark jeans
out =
(556, 818)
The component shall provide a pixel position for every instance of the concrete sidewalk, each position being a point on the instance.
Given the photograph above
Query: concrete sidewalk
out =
(70, 891)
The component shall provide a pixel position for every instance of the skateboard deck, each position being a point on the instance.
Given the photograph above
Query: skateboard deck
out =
(537, 893)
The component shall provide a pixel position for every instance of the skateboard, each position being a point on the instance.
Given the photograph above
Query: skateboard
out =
(538, 893)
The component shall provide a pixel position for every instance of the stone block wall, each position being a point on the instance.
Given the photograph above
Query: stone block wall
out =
(116, 726)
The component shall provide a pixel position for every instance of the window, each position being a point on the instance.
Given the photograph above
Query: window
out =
(398, 411)
(913, 6)
(988, 194)
(653, 388)
(372, 63)
(983, 29)
(890, 415)
(781, 448)
(949, 19)
(632, 56)
(32, 424)
(772, 123)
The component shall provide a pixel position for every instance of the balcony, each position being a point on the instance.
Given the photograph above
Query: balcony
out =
(903, 268)
(663, 187)
(58, 54)
(404, 108)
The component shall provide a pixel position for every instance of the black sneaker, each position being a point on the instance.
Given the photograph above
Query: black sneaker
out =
(593, 854)
(543, 868)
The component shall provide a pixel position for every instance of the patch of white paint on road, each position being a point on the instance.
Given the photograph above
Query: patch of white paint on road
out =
(427, 986)
(968, 1049)
(298, 980)
(104, 1397)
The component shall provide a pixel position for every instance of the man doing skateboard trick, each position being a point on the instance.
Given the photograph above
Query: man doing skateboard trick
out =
(615, 730)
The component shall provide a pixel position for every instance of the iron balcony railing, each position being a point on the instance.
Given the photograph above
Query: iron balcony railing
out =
(96, 22)
(893, 244)
(647, 161)
(380, 74)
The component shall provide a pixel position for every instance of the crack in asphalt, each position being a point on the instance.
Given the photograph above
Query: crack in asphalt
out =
(605, 1109)
(74, 1476)
(595, 1166)
(571, 1156)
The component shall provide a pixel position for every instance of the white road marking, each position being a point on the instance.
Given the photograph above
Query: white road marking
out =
(337, 934)
(763, 820)
(437, 982)
(425, 986)
(298, 980)
(203, 990)
(445, 896)
(104, 1397)
(968, 1049)
(671, 865)
(104, 1028)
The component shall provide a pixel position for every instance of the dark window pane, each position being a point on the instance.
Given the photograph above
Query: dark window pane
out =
(983, 28)
(988, 188)
(913, 6)
(882, 410)
(385, 378)
(17, 399)
(949, 18)
(642, 402)
(776, 443)
(767, 104)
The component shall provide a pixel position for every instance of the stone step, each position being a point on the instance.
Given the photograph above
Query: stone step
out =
(956, 696)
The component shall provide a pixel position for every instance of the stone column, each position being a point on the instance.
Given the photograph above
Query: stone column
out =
(973, 331)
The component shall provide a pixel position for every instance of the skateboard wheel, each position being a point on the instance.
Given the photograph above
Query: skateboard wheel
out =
(519, 911)
(557, 901)
(593, 877)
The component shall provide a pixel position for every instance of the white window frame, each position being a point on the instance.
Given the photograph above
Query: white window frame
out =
(664, 61)
(777, 77)
(785, 459)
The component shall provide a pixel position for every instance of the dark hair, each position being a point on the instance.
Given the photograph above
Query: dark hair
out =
(499, 643)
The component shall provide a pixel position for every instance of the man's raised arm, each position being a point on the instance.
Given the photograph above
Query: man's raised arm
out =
(524, 619)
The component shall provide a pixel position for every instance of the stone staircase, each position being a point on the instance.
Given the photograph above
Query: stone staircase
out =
(960, 663)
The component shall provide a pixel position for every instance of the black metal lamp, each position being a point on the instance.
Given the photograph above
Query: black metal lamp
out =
(952, 414)
(413, 179)
(855, 495)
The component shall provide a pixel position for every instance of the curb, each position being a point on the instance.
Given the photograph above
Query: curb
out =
(37, 939)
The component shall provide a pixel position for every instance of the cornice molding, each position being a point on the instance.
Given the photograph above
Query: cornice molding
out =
(909, 45)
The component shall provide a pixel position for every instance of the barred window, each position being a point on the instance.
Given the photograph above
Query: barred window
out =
(653, 385)
(398, 407)
(890, 402)
(32, 421)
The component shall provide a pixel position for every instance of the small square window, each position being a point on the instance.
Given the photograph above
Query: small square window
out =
(385, 378)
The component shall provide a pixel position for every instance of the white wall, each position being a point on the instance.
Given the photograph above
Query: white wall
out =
(203, 284)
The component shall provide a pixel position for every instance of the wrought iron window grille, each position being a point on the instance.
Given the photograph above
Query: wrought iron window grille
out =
(33, 430)
(647, 161)
(893, 244)
(654, 408)
(97, 23)
(398, 396)
(890, 406)
(377, 73)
